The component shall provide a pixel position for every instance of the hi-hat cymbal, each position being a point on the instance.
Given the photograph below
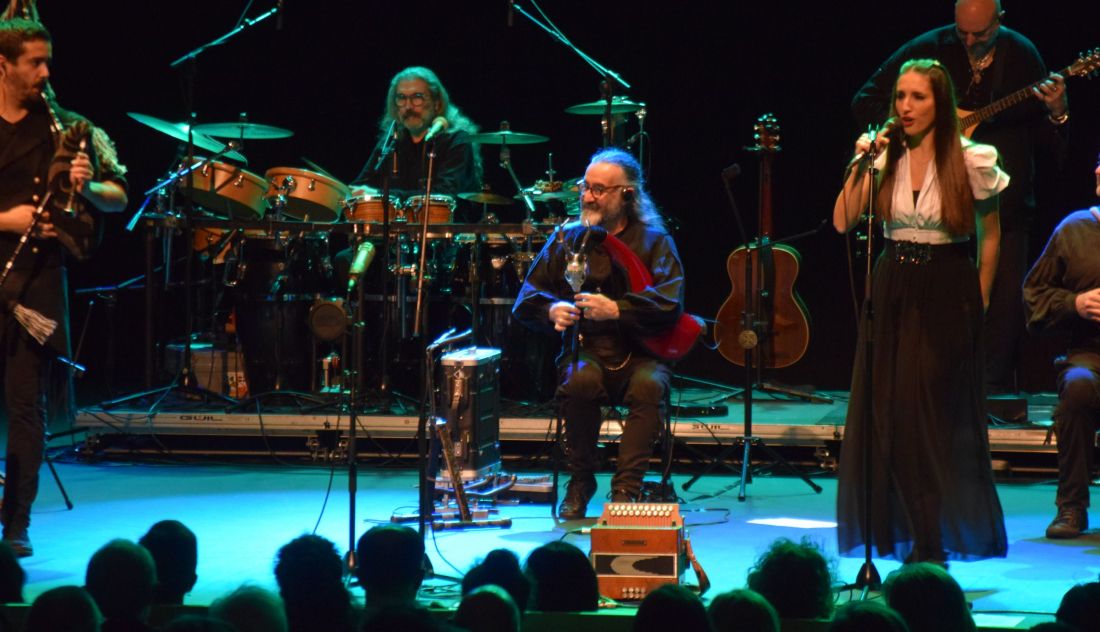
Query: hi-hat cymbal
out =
(507, 137)
(249, 131)
(619, 105)
(178, 131)
(484, 197)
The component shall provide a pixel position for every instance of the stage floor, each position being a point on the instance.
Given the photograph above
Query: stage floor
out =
(243, 512)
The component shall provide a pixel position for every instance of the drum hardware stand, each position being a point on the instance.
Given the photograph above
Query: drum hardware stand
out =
(749, 340)
(108, 295)
(184, 379)
(506, 164)
(387, 153)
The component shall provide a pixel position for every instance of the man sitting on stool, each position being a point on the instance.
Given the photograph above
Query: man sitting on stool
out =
(1062, 292)
(612, 367)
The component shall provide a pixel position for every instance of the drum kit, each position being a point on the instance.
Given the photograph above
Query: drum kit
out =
(272, 233)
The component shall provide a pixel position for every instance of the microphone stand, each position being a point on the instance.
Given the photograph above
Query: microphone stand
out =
(610, 78)
(869, 578)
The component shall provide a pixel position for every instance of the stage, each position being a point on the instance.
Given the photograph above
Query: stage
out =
(245, 503)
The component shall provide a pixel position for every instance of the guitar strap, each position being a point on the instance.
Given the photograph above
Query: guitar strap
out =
(1004, 54)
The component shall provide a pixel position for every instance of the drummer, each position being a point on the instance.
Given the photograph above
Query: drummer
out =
(414, 101)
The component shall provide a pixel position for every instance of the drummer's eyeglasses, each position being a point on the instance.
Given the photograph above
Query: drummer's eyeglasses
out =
(415, 99)
(599, 190)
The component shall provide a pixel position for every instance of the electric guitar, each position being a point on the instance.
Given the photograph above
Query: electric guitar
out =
(1086, 65)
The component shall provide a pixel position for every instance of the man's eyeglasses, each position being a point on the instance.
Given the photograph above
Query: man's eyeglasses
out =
(415, 99)
(598, 190)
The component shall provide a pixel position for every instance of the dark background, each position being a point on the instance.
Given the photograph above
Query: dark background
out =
(706, 70)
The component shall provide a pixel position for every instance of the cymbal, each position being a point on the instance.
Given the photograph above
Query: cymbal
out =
(507, 137)
(178, 131)
(619, 105)
(250, 131)
(484, 197)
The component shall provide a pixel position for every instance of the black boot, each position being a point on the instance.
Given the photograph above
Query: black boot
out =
(578, 492)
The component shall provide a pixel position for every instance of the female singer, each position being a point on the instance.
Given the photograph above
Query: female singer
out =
(932, 495)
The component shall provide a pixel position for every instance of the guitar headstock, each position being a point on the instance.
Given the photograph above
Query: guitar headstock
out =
(1086, 65)
(766, 133)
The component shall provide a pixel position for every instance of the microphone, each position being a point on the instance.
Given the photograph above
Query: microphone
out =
(279, 15)
(511, 13)
(438, 125)
(364, 255)
(889, 126)
(731, 172)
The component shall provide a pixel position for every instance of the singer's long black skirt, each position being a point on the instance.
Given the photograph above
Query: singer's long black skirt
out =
(931, 483)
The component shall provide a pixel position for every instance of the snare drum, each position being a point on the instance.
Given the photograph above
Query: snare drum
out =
(368, 208)
(310, 196)
(441, 209)
(225, 190)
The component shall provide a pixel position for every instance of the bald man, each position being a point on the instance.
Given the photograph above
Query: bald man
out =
(987, 61)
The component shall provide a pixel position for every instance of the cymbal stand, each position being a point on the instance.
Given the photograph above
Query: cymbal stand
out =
(506, 164)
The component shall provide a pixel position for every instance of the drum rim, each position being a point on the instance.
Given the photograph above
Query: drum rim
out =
(295, 171)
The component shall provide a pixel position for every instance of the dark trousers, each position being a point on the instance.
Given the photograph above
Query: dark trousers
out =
(26, 373)
(1075, 425)
(640, 386)
(1004, 320)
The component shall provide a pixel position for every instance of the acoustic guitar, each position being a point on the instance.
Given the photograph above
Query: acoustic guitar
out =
(1087, 64)
(780, 331)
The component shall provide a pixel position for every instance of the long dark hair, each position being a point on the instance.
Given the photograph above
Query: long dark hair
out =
(958, 198)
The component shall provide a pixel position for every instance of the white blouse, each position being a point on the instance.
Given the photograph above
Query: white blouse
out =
(923, 222)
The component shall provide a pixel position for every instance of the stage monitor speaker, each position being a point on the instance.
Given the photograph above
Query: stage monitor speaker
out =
(470, 387)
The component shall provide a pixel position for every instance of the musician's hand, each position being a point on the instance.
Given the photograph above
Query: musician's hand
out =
(80, 171)
(1088, 305)
(364, 190)
(1052, 92)
(863, 144)
(17, 218)
(564, 314)
(597, 306)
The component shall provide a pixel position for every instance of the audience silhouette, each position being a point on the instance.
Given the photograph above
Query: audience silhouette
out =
(500, 567)
(742, 610)
(562, 579)
(120, 578)
(795, 578)
(671, 607)
(928, 598)
(310, 576)
(63, 609)
(175, 552)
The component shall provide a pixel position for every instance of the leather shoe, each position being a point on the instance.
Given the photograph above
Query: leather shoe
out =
(1069, 523)
(578, 492)
(20, 544)
(621, 495)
